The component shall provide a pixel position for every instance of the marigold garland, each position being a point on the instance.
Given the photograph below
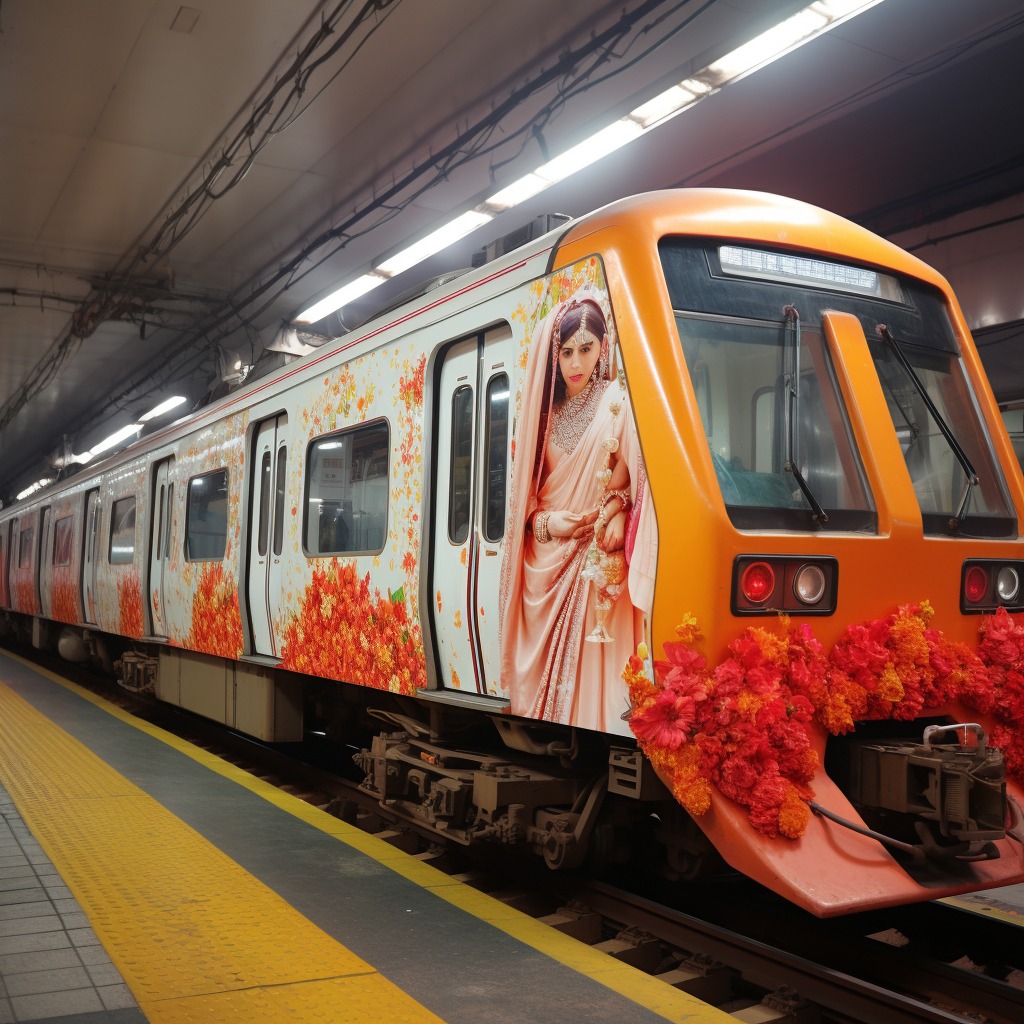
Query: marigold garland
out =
(745, 726)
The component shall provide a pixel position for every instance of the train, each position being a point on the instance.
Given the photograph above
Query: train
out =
(680, 538)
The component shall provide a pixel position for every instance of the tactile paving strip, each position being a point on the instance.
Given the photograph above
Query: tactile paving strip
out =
(196, 937)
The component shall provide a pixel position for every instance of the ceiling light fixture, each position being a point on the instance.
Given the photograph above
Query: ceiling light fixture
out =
(342, 297)
(435, 242)
(37, 486)
(776, 42)
(115, 439)
(163, 407)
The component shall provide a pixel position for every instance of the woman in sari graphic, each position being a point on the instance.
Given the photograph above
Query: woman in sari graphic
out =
(578, 566)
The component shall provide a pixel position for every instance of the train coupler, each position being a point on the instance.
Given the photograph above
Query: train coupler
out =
(938, 801)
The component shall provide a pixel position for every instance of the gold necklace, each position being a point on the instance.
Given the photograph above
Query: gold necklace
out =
(574, 415)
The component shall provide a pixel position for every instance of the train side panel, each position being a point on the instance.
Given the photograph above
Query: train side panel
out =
(24, 561)
(5, 553)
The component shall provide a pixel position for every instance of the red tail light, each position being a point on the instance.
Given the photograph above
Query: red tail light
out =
(975, 584)
(990, 583)
(796, 584)
(758, 582)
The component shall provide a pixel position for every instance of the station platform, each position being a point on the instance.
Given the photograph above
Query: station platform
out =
(144, 879)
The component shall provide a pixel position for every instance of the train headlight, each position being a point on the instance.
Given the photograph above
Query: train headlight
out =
(809, 584)
(990, 583)
(1007, 584)
(793, 584)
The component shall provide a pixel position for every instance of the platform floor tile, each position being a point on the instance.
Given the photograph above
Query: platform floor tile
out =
(52, 964)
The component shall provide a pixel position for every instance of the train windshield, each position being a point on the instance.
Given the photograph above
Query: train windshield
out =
(750, 323)
(956, 480)
(774, 422)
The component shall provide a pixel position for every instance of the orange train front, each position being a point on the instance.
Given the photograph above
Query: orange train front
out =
(709, 475)
(838, 519)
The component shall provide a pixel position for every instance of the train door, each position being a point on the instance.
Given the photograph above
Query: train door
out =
(5, 589)
(266, 531)
(472, 442)
(160, 542)
(14, 562)
(90, 554)
(44, 561)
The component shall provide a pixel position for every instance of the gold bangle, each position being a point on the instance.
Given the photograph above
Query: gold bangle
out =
(622, 495)
(540, 527)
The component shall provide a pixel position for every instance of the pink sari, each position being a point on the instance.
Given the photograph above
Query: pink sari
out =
(551, 671)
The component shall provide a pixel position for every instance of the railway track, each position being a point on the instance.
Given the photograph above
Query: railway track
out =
(737, 947)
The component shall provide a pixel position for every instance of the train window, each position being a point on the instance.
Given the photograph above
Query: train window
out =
(280, 491)
(495, 457)
(122, 532)
(758, 427)
(25, 548)
(941, 434)
(63, 540)
(460, 477)
(264, 524)
(346, 508)
(206, 517)
(5, 594)
(160, 522)
(170, 520)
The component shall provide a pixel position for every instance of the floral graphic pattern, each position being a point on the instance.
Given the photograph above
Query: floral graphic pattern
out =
(64, 603)
(344, 631)
(200, 602)
(25, 597)
(350, 395)
(746, 727)
(216, 617)
(129, 602)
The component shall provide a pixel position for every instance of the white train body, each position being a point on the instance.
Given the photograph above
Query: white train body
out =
(225, 573)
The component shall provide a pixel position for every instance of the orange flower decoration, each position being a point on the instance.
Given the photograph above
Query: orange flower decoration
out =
(129, 603)
(216, 618)
(345, 632)
(64, 597)
(745, 726)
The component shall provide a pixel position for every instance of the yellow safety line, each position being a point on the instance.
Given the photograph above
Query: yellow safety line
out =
(986, 906)
(196, 937)
(633, 984)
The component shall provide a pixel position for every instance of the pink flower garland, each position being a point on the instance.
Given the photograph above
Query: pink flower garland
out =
(745, 726)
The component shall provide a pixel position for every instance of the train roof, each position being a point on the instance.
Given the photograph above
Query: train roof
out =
(698, 212)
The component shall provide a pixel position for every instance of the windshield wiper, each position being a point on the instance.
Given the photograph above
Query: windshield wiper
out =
(954, 446)
(792, 321)
(912, 427)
